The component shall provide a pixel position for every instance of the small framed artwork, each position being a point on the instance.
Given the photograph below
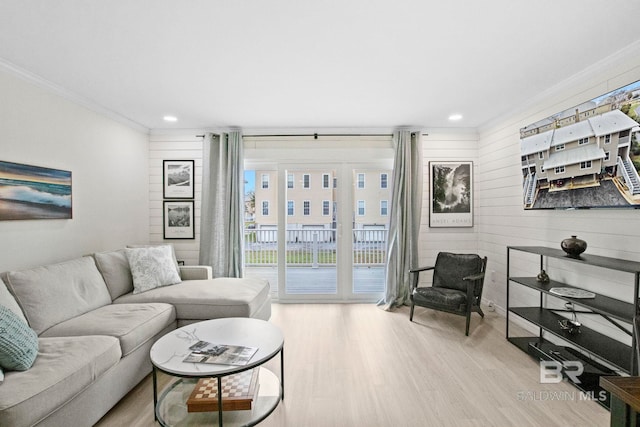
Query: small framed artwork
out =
(177, 179)
(178, 219)
(451, 203)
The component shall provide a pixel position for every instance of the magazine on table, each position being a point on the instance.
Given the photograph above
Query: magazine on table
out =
(220, 354)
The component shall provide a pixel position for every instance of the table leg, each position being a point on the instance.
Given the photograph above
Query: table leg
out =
(220, 401)
(155, 393)
(282, 371)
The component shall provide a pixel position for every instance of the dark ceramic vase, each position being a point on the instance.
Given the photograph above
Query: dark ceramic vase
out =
(573, 246)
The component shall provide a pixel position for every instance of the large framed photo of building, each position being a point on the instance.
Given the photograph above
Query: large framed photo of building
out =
(177, 179)
(451, 202)
(178, 219)
(586, 156)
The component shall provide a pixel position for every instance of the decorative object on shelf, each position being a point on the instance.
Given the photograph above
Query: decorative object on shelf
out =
(573, 246)
(572, 293)
(543, 277)
(571, 325)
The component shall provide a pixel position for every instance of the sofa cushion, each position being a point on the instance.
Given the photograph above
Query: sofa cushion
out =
(54, 293)
(9, 301)
(151, 268)
(208, 299)
(65, 366)
(132, 324)
(173, 250)
(115, 270)
(18, 342)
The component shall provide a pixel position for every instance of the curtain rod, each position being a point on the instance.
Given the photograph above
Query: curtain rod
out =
(316, 135)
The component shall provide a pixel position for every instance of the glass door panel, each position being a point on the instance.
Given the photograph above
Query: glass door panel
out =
(371, 189)
(311, 253)
(261, 225)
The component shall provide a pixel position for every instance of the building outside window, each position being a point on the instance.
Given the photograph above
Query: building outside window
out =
(326, 180)
(326, 208)
(583, 141)
(585, 165)
(384, 207)
(560, 169)
(559, 147)
(607, 139)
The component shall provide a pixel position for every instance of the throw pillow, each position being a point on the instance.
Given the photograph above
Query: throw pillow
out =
(1, 376)
(152, 267)
(18, 342)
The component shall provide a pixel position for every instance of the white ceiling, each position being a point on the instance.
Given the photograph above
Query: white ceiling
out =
(311, 64)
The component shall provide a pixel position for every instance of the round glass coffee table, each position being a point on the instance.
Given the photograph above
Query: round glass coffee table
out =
(168, 354)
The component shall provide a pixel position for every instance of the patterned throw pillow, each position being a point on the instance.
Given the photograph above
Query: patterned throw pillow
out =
(152, 267)
(18, 342)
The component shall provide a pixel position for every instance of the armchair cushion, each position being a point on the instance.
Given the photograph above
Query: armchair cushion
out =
(451, 299)
(451, 269)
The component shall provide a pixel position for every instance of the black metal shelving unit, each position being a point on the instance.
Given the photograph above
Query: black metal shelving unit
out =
(588, 343)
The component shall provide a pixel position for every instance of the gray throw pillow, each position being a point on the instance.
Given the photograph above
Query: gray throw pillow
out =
(152, 267)
(18, 342)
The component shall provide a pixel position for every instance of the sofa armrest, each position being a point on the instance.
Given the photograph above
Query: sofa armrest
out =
(196, 272)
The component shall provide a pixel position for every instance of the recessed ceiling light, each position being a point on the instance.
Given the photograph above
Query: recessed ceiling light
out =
(455, 117)
(170, 118)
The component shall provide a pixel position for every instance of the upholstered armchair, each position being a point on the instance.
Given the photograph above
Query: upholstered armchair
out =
(458, 280)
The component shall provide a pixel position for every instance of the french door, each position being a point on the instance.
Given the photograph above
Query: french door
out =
(319, 229)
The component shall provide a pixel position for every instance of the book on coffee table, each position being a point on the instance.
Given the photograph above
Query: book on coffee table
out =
(222, 354)
(238, 393)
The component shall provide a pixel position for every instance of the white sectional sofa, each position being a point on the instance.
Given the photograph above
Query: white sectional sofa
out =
(94, 332)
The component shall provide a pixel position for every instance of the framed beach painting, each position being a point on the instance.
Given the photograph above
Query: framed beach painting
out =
(451, 203)
(177, 179)
(179, 219)
(34, 192)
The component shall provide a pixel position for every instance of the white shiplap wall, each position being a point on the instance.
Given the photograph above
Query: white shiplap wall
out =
(181, 145)
(446, 145)
(438, 145)
(502, 221)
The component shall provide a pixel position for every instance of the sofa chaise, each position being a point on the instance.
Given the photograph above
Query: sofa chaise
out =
(95, 328)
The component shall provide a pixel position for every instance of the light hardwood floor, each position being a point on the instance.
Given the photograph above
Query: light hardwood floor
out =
(357, 365)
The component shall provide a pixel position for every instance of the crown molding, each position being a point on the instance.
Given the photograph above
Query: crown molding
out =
(56, 89)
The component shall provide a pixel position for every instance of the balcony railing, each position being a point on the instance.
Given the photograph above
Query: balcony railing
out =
(314, 248)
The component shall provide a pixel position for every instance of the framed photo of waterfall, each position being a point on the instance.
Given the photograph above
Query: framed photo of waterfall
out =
(451, 202)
